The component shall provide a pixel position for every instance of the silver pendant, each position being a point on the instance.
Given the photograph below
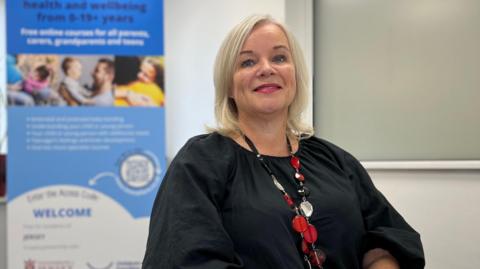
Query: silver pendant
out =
(306, 208)
(277, 184)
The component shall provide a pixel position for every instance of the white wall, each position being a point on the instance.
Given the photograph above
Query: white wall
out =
(444, 207)
(3, 236)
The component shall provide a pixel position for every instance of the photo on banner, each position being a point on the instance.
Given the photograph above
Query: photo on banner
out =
(79, 80)
(86, 136)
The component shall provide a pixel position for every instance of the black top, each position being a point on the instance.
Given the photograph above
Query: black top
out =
(218, 208)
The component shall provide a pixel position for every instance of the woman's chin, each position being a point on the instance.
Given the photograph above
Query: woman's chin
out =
(273, 110)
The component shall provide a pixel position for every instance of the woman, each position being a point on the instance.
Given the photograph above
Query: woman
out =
(262, 192)
(147, 90)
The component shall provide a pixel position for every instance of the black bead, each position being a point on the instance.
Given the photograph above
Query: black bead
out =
(304, 191)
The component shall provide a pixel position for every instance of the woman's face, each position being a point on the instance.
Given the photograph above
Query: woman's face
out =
(147, 72)
(264, 78)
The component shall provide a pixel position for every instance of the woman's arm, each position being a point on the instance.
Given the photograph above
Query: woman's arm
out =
(385, 227)
(133, 98)
(186, 228)
(137, 99)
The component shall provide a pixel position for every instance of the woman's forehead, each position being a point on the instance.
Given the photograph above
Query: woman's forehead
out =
(266, 33)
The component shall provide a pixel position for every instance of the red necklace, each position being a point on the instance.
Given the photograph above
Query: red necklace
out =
(312, 255)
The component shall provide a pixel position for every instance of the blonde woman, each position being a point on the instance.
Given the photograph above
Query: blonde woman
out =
(261, 191)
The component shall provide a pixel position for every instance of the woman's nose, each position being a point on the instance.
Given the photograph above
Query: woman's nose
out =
(265, 68)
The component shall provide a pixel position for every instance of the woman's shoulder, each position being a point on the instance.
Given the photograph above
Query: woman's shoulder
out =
(210, 142)
(205, 158)
(321, 146)
(212, 146)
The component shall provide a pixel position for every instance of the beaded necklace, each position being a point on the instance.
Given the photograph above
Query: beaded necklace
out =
(312, 255)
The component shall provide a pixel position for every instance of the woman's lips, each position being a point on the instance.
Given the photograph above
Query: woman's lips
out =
(267, 88)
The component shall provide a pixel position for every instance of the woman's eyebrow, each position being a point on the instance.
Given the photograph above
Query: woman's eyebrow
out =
(281, 47)
(275, 48)
(246, 52)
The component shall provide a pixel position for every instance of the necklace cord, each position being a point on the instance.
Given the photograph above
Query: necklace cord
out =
(312, 254)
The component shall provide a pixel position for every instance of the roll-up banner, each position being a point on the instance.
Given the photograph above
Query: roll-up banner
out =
(86, 131)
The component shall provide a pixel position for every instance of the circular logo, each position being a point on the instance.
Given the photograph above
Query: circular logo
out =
(138, 171)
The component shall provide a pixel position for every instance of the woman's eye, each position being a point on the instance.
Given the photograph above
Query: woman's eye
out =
(279, 59)
(247, 63)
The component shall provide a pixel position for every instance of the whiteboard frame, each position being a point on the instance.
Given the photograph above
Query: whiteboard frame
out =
(422, 165)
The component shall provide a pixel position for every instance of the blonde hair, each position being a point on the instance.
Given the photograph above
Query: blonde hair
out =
(225, 109)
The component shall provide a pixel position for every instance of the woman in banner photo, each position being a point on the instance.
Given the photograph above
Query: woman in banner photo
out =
(37, 84)
(147, 89)
(31, 80)
(260, 191)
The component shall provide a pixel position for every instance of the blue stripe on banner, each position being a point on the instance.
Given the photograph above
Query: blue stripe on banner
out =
(85, 27)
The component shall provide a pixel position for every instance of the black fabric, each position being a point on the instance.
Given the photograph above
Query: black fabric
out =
(218, 208)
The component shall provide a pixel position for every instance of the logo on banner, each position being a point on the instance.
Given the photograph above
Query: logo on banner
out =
(139, 173)
(29, 264)
(32, 264)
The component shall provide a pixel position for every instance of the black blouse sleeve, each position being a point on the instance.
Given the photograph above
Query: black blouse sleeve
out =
(385, 227)
(186, 228)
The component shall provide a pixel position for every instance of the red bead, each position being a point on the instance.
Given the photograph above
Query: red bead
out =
(288, 200)
(295, 162)
(299, 177)
(305, 247)
(317, 257)
(310, 234)
(300, 224)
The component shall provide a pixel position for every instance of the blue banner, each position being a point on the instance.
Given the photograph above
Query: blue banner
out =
(85, 27)
(86, 134)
